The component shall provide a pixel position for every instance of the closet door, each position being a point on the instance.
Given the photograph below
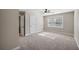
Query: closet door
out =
(33, 24)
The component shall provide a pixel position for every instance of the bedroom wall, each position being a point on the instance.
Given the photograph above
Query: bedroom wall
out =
(76, 26)
(68, 20)
(9, 27)
(27, 23)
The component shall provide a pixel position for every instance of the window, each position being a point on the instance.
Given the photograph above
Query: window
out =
(55, 22)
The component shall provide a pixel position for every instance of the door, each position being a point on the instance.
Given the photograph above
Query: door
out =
(33, 24)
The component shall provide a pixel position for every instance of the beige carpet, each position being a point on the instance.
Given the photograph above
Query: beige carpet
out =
(48, 41)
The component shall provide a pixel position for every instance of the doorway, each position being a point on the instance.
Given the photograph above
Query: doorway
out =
(22, 23)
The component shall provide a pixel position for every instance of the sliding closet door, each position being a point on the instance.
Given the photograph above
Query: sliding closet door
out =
(36, 21)
(33, 24)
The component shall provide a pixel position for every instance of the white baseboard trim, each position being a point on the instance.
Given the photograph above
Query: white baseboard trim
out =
(17, 48)
(76, 42)
(69, 34)
(27, 34)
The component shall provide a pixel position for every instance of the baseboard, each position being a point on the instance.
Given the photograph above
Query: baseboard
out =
(77, 42)
(69, 34)
(17, 48)
(31, 33)
(27, 34)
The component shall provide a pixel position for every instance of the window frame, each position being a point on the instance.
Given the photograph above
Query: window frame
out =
(55, 18)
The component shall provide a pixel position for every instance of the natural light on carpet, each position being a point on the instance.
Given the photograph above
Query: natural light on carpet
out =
(48, 35)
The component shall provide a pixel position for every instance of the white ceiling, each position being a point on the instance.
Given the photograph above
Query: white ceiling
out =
(51, 10)
(60, 10)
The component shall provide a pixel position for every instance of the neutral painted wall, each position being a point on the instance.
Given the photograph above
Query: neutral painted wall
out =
(9, 34)
(76, 26)
(68, 20)
(27, 23)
